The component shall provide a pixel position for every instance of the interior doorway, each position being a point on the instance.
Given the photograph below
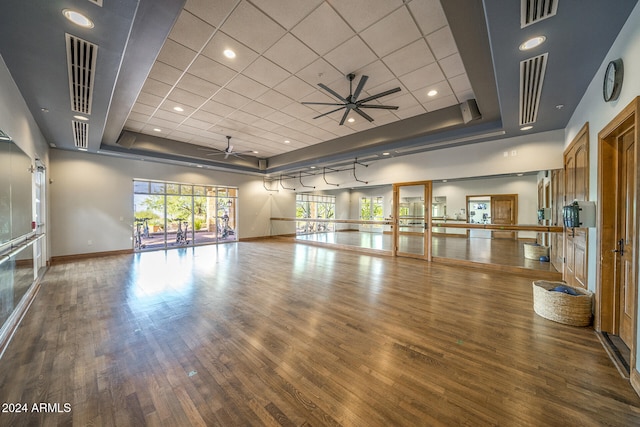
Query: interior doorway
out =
(617, 277)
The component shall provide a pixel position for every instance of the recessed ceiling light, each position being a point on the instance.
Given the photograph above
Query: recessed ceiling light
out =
(286, 141)
(180, 109)
(77, 18)
(532, 42)
(432, 92)
(255, 152)
(81, 118)
(526, 127)
(157, 130)
(229, 53)
(351, 120)
(386, 153)
(313, 167)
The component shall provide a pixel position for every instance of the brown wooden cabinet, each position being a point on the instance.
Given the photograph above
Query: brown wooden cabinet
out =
(576, 187)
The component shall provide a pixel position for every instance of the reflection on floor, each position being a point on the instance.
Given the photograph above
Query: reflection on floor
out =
(477, 249)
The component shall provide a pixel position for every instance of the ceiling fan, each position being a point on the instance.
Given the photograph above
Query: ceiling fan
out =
(351, 102)
(227, 151)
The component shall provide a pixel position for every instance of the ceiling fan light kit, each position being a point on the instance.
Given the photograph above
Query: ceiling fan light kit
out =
(351, 102)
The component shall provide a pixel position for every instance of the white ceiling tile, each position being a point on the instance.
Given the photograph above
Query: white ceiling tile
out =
(422, 77)
(221, 42)
(155, 87)
(294, 88)
(287, 12)
(191, 31)
(409, 58)
(197, 123)
(169, 116)
(206, 116)
(391, 33)
(362, 13)
(460, 83)
(206, 11)
(320, 71)
(257, 109)
(164, 125)
(296, 109)
(428, 14)
(211, 71)
(242, 117)
(252, 27)
(196, 85)
(246, 86)
(266, 125)
(143, 109)
(378, 74)
(350, 56)
(442, 43)
(217, 108)
(138, 117)
(182, 97)
(322, 30)
(443, 88)
(452, 65)
(291, 54)
(266, 72)
(279, 117)
(176, 55)
(274, 99)
(440, 103)
(148, 99)
(404, 101)
(165, 73)
(405, 113)
(230, 98)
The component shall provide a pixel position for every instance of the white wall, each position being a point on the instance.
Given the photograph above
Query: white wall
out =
(598, 114)
(91, 199)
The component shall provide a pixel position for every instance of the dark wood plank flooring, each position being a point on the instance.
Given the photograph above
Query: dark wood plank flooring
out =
(277, 333)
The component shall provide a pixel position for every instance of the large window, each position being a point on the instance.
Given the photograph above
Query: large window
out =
(169, 214)
(311, 206)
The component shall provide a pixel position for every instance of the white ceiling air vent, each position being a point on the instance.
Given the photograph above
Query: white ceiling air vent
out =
(532, 11)
(80, 134)
(81, 63)
(531, 78)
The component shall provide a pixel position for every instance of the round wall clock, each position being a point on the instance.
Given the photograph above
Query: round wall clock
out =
(613, 80)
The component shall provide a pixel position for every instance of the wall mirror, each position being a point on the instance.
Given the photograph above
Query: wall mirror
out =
(454, 202)
(15, 191)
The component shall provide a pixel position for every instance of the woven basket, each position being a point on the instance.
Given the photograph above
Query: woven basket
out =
(574, 310)
(532, 251)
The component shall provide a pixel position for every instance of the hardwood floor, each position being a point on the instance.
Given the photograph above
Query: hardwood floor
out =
(277, 333)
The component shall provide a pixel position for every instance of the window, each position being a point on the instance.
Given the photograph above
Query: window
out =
(310, 206)
(371, 208)
(168, 214)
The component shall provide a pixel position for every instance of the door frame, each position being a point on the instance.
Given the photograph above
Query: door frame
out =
(428, 191)
(607, 294)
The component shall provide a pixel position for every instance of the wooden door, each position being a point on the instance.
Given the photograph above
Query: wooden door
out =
(504, 211)
(556, 251)
(576, 187)
(626, 281)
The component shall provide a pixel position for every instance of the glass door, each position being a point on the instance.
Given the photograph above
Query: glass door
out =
(412, 222)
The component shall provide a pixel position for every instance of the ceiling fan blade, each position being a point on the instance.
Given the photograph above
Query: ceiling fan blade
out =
(329, 112)
(210, 149)
(332, 92)
(361, 84)
(380, 95)
(319, 103)
(226, 155)
(382, 107)
(363, 114)
(344, 117)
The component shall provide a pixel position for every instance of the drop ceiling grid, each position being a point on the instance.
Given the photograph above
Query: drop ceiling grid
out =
(257, 97)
